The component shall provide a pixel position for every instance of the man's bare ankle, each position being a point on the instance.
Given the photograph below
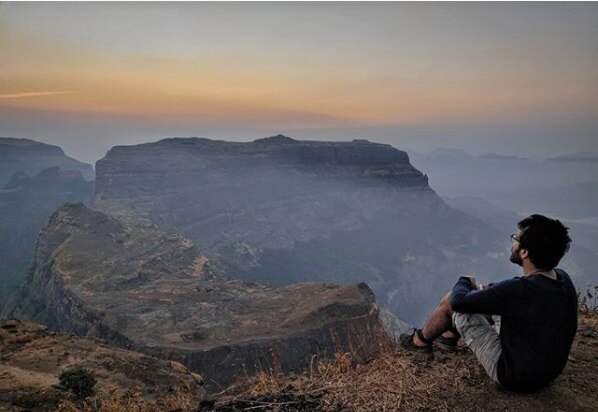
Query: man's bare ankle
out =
(449, 335)
(417, 341)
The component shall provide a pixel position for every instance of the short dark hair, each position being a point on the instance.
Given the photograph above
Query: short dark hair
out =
(546, 240)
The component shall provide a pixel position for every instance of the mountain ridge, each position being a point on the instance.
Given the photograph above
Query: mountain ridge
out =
(31, 157)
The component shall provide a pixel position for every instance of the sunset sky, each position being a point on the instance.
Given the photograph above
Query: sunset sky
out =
(512, 78)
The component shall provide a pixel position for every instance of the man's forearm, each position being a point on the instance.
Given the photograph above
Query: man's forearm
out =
(494, 300)
(460, 290)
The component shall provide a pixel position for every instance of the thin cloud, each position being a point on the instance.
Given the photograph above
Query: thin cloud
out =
(34, 94)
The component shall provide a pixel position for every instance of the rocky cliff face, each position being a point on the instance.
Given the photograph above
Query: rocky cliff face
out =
(140, 288)
(280, 211)
(31, 157)
(206, 186)
(25, 205)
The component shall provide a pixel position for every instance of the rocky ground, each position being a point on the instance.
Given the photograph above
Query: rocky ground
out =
(394, 381)
(32, 357)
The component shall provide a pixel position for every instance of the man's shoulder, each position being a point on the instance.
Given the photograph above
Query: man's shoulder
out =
(513, 286)
(564, 277)
(515, 281)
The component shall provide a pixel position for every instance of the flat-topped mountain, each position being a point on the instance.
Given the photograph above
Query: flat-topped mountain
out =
(192, 178)
(25, 205)
(143, 289)
(280, 211)
(359, 158)
(31, 157)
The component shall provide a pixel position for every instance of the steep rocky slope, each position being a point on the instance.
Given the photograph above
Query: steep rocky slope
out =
(280, 211)
(139, 288)
(31, 157)
(32, 357)
(25, 205)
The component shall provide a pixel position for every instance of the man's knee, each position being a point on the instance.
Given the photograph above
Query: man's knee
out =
(446, 300)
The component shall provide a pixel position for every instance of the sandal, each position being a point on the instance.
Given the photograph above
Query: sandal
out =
(406, 342)
(447, 344)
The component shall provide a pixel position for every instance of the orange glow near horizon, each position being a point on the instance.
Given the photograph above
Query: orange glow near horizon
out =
(55, 74)
(164, 88)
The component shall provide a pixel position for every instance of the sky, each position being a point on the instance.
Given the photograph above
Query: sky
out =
(509, 78)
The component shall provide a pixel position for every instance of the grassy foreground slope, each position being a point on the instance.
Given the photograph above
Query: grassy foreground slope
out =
(394, 380)
(401, 381)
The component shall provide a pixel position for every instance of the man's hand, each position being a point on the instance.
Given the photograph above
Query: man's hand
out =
(472, 282)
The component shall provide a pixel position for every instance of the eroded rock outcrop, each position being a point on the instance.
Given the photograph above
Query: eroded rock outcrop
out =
(143, 289)
(281, 211)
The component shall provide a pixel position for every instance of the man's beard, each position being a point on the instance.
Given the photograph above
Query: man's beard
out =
(515, 258)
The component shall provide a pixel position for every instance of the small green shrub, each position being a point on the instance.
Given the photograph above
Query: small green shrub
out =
(77, 380)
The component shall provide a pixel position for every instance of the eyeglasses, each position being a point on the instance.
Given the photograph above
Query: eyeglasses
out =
(514, 237)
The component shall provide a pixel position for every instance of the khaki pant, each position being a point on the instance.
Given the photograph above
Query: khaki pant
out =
(482, 338)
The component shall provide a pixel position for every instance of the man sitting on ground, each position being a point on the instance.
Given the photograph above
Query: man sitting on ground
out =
(538, 313)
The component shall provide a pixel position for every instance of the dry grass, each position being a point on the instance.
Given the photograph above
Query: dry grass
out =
(393, 381)
(128, 401)
(403, 381)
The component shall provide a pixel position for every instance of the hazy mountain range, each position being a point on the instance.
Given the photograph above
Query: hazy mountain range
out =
(564, 186)
(281, 211)
(31, 157)
(36, 179)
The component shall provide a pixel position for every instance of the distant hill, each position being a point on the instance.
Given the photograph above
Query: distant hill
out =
(35, 179)
(25, 205)
(575, 200)
(564, 185)
(31, 157)
(577, 157)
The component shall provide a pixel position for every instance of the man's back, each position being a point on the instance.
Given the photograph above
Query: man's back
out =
(537, 331)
